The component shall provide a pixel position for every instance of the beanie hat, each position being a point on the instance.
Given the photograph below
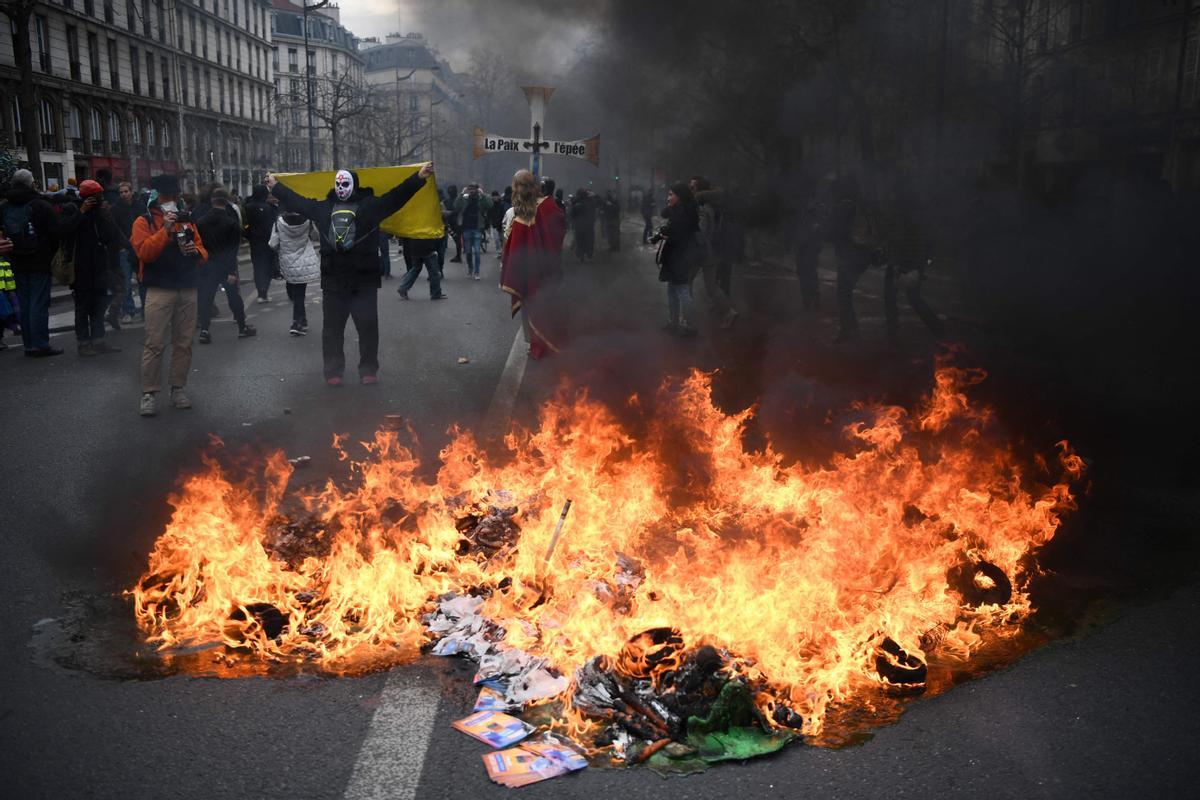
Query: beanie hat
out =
(89, 188)
(23, 177)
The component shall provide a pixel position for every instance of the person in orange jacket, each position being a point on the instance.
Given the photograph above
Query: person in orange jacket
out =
(170, 254)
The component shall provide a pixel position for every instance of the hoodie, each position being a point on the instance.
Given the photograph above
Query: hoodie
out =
(298, 260)
(45, 224)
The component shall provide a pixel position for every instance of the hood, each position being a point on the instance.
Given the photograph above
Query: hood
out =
(20, 195)
(288, 228)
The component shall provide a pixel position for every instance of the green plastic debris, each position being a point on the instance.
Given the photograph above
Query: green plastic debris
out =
(731, 732)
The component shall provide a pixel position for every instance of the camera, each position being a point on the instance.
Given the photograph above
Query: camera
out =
(183, 216)
(659, 235)
(184, 236)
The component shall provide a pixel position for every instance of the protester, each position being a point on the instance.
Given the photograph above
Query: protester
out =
(850, 230)
(170, 253)
(9, 305)
(583, 224)
(677, 256)
(259, 222)
(453, 220)
(348, 220)
(531, 271)
(647, 216)
(707, 255)
(90, 239)
(31, 228)
(292, 240)
(222, 234)
(496, 220)
(907, 258)
(123, 214)
(471, 210)
(610, 215)
(418, 254)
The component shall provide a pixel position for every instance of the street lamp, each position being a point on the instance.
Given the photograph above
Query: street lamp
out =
(308, 84)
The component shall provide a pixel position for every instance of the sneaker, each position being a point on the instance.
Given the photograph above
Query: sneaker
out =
(87, 349)
(442, 296)
(112, 319)
(476, 276)
(304, 325)
(101, 347)
(403, 294)
(205, 337)
(370, 380)
(179, 399)
(127, 319)
(296, 330)
(247, 330)
(262, 300)
(456, 260)
(149, 406)
(45, 352)
(335, 381)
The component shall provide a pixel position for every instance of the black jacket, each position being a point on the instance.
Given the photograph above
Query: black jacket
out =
(679, 250)
(45, 223)
(94, 240)
(221, 234)
(358, 267)
(260, 219)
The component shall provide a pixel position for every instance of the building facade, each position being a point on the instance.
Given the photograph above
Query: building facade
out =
(421, 114)
(147, 86)
(339, 95)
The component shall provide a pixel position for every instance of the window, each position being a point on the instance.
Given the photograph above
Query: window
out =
(96, 128)
(235, 12)
(89, 7)
(135, 133)
(114, 131)
(204, 36)
(192, 31)
(162, 21)
(151, 139)
(208, 89)
(241, 96)
(221, 88)
(219, 58)
(228, 50)
(75, 129)
(146, 18)
(69, 4)
(110, 13)
(275, 61)
(311, 62)
(46, 123)
(413, 101)
(164, 135)
(293, 64)
(333, 63)
(237, 45)
(183, 86)
(73, 51)
(166, 75)
(196, 86)
(43, 42)
(150, 73)
(130, 15)
(135, 69)
(114, 65)
(18, 130)
(94, 57)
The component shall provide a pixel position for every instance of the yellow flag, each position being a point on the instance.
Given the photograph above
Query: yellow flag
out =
(420, 218)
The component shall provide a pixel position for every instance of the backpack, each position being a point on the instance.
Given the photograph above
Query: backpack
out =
(343, 226)
(18, 226)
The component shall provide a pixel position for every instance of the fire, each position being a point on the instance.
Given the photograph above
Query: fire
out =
(824, 582)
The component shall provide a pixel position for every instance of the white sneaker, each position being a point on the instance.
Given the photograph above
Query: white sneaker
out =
(179, 399)
(149, 406)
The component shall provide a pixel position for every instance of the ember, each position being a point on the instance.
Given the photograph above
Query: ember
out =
(772, 595)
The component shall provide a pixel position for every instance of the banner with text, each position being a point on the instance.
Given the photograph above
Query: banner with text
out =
(587, 149)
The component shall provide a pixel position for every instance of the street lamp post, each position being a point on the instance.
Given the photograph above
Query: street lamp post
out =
(308, 85)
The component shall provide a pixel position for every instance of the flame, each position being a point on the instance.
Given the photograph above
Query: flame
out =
(825, 582)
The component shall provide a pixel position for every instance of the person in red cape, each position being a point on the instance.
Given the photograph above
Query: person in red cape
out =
(531, 271)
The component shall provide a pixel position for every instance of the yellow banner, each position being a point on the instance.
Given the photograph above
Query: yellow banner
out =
(420, 218)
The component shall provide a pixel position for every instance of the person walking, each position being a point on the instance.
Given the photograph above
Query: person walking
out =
(453, 222)
(707, 254)
(122, 306)
(647, 216)
(583, 223)
(531, 271)
(611, 215)
(260, 219)
(907, 259)
(677, 256)
(31, 228)
(471, 210)
(348, 220)
(170, 253)
(92, 240)
(496, 221)
(418, 254)
(221, 231)
(292, 240)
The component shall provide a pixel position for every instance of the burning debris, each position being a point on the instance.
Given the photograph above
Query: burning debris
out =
(678, 619)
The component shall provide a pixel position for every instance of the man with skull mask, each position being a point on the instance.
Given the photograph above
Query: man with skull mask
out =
(348, 220)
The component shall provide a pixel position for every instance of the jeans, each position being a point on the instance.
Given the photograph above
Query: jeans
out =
(211, 279)
(647, 229)
(430, 262)
(33, 292)
(295, 293)
(263, 259)
(170, 314)
(473, 240)
(363, 306)
(90, 305)
(679, 304)
(122, 299)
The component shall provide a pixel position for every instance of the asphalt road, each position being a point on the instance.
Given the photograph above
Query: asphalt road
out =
(1110, 710)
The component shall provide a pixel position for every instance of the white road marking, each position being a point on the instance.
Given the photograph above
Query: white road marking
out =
(392, 755)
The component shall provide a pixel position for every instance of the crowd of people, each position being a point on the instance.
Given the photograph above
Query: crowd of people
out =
(179, 251)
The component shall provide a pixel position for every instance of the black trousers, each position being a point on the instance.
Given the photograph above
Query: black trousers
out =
(648, 230)
(363, 306)
(263, 259)
(90, 305)
(295, 293)
(210, 280)
(912, 291)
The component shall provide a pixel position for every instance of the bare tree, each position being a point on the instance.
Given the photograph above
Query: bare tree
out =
(340, 98)
(489, 77)
(19, 13)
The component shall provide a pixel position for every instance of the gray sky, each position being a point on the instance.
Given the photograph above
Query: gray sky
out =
(542, 35)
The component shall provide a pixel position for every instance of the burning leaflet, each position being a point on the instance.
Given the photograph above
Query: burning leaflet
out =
(698, 587)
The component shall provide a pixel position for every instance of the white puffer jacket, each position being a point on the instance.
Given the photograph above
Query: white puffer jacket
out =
(298, 259)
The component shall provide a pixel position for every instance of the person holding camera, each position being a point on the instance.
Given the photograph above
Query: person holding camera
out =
(221, 231)
(348, 221)
(92, 240)
(170, 253)
(677, 256)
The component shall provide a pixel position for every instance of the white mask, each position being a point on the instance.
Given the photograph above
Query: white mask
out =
(169, 206)
(343, 184)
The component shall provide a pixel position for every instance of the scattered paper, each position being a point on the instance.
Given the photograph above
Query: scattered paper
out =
(539, 759)
(464, 360)
(491, 700)
(494, 728)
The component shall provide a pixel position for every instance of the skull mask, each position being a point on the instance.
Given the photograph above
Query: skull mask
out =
(343, 184)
